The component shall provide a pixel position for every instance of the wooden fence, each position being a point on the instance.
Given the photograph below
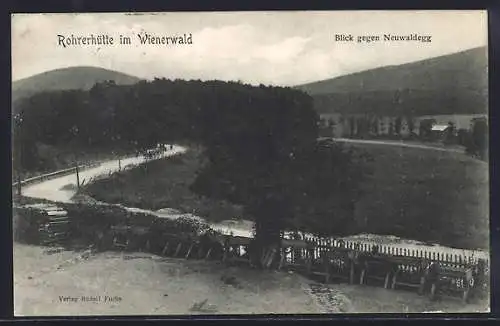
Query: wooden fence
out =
(447, 259)
(392, 265)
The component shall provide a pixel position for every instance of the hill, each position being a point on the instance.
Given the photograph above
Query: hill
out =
(449, 84)
(66, 79)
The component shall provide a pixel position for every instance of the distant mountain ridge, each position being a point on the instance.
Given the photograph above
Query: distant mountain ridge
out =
(449, 84)
(81, 77)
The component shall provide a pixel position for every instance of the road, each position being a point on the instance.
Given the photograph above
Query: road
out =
(52, 189)
(398, 143)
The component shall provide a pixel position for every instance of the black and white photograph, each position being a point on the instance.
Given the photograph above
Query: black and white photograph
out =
(250, 163)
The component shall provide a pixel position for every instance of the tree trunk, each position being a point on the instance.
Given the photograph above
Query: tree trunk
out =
(265, 249)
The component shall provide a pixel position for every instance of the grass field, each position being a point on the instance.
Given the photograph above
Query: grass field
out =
(414, 193)
(426, 195)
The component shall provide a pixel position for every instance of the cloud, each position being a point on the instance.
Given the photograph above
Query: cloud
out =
(284, 48)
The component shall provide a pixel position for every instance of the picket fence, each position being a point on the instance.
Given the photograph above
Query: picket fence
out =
(445, 259)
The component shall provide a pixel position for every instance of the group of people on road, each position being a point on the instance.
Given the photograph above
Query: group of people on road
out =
(155, 152)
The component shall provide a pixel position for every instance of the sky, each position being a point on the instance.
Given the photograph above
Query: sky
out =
(279, 48)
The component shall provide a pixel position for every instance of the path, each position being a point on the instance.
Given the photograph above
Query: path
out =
(398, 143)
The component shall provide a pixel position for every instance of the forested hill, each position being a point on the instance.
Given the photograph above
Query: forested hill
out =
(78, 78)
(450, 84)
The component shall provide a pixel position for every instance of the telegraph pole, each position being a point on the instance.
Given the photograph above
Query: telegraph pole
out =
(77, 175)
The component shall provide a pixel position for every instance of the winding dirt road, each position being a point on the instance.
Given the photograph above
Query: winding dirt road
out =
(52, 189)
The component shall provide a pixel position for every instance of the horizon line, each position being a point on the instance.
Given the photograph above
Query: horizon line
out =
(295, 85)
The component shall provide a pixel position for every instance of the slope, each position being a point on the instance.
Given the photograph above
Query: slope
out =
(66, 79)
(449, 84)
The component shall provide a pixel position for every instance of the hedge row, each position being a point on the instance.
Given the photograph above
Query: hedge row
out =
(92, 224)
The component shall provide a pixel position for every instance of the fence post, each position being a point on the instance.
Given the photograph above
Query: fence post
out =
(77, 176)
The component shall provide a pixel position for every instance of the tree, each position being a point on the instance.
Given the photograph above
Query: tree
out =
(256, 138)
(479, 142)
(375, 125)
(450, 133)
(331, 126)
(397, 126)
(391, 128)
(352, 126)
(426, 128)
(267, 158)
(411, 125)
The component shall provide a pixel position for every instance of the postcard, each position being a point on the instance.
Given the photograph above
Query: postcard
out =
(250, 163)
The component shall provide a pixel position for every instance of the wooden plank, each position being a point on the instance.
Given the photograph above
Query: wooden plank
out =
(208, 253)
(189, 251)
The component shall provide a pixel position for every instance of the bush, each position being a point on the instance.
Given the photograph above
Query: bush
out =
(89, 221)
(91, 224)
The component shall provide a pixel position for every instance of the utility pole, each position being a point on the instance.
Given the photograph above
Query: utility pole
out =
(77, 173)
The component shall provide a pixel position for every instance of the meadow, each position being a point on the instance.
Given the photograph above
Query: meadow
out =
(163, 184)
(426, 195)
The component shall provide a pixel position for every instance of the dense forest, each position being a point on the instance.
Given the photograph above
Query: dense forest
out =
(261, 144)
